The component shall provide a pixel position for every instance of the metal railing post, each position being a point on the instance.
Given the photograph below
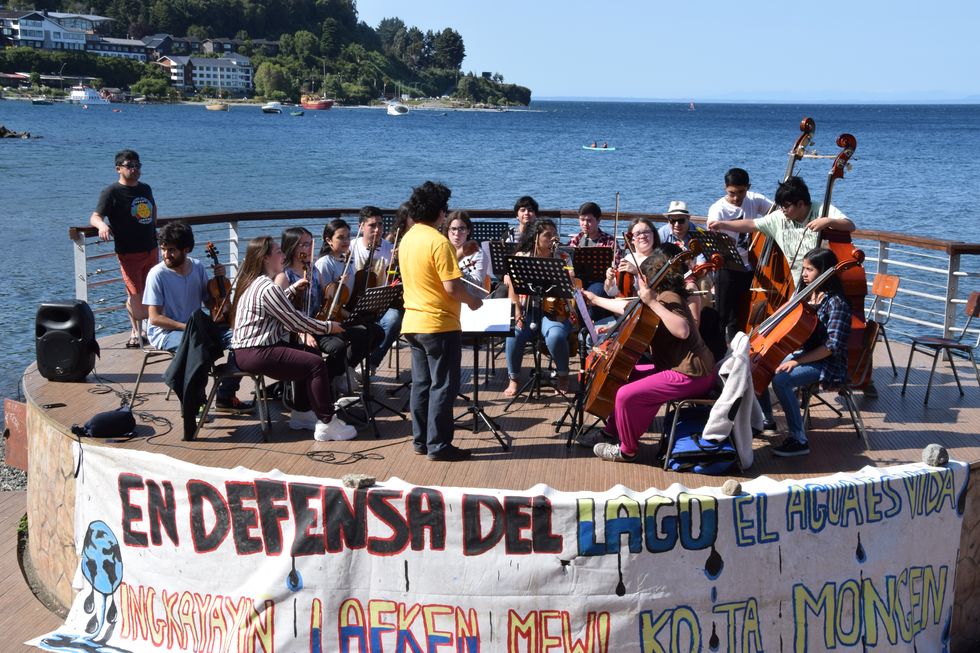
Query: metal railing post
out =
(81, 267)
(952, 291)
(233, 248)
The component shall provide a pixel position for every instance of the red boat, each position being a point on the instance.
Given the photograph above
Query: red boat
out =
(314, 103)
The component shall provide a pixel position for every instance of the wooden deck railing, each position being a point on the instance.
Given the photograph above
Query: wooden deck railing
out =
(936, 275)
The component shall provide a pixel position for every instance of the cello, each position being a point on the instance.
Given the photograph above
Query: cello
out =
(219, 288)
(786, 330)
(611, 362)
(772, 283)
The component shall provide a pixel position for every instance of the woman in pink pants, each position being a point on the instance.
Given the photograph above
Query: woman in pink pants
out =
(681, 366)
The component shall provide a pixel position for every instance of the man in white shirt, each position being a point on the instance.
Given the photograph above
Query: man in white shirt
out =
(732, 286)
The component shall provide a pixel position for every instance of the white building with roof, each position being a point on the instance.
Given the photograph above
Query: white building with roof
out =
(230, 73)
(36, 29)
(123, 48)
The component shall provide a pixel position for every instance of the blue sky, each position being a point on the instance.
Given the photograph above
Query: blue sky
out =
(855, 50)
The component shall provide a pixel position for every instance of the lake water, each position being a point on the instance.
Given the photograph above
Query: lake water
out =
(915, 168)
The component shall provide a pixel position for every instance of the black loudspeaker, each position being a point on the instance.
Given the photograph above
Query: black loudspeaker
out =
(66, 346)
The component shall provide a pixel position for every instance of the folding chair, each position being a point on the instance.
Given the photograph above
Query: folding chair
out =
(937, 346)
(224, 371)
(884, 287)
(150, 356)
(846, 389)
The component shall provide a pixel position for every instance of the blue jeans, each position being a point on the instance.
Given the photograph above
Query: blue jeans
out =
(784, 384)
(436, 361)
(228, 387)
(391, 324)
(555, 337)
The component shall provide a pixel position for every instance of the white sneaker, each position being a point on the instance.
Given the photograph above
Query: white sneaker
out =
(300, 420)
(335, 429)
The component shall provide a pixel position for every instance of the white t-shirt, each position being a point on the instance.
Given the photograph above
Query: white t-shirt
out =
(754, 206)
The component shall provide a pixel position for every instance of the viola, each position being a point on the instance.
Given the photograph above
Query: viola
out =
(786, 330)
(364, 278)
(772, 281)
(219, 288)
(610, 364)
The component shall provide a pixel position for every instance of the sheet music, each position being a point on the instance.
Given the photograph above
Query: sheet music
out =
(492, 317)
(583, 312)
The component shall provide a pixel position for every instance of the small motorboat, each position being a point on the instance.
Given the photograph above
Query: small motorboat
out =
(296, 113)
(397, 109)
(272, 107)
(41, 101)
(216, 106)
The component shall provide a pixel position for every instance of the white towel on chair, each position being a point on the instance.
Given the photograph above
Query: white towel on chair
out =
(736, 374)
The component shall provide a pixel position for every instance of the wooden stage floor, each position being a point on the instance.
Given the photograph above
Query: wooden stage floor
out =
(899, 427)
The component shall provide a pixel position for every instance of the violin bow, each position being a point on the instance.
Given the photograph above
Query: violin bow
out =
(616, 231)
(391, 263)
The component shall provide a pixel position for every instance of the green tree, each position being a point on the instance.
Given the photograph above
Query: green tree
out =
(306, 47)
(151, 87)
(270, 78)
(448, 50)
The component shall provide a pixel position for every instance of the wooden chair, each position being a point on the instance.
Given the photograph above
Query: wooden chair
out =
(948, 346)
(884, 287)
(846, 390)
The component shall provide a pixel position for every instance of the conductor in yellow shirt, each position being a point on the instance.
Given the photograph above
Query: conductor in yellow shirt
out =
(433, 293)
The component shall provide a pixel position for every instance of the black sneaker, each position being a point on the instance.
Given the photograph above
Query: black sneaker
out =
(791, 447)
(419, 449)
(234, 405)
(870, 391)
(449, 454)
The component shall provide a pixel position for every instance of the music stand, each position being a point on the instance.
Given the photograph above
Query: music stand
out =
(591, 263)
(537, 278)
(494, 318)
(486, 230)
(371, 304)
(499, 253)
(713, 242)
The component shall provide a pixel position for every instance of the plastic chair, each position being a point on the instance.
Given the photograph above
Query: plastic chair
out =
(225, 371)
(949, 346)
(846, 390)
(884, 287)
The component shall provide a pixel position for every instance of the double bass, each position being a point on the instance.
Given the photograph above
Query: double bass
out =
(611, 362)
(772, 282)
(853, 279)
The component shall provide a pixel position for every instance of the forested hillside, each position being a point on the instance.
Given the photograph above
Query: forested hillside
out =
(323, 46)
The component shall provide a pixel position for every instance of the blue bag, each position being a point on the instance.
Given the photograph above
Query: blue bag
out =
(691, 452)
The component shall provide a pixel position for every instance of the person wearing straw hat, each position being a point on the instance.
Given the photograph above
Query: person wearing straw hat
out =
(678, 227)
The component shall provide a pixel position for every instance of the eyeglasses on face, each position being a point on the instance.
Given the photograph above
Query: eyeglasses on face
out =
(676, 220)
(458, 229)
(646, 233)
(132, 165)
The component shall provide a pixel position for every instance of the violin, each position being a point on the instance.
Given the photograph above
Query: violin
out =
(788, 329)
(610, 363)
(626, 281)
(335, 297)
(713, 264)
(772, 281)
(557, 308)
(392, 276)
(219, 288)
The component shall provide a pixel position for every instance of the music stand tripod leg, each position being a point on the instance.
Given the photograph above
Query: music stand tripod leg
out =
(476, 410)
